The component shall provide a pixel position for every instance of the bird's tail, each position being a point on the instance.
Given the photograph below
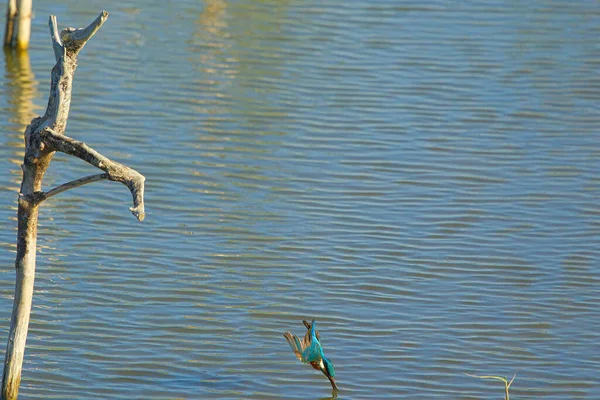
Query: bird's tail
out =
(294, 343)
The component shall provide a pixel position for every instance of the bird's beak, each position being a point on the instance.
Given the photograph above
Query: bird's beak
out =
(334, 386)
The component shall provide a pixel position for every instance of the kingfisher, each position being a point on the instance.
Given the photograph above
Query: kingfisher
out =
(310, 351)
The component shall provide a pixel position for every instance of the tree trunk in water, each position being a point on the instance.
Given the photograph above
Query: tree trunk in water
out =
(11, 12)
(18, 24)
(25, 271)
(43, 137)
(21, 40)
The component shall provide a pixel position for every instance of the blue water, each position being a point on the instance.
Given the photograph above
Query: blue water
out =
(421, 178)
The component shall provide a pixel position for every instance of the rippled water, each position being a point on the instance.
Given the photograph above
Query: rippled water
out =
(421, 178)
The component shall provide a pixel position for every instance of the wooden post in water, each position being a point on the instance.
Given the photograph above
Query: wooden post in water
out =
(43, 137)
(21, 39)
(11, 12)
(18, 24)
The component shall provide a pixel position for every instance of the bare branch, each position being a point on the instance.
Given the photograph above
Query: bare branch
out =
(73, 184)
(56, 42)
(74, 39)
(11, 13)
(116, 172)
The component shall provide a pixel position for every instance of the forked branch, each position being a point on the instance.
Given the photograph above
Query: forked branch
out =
(72, 39)
(114, 171)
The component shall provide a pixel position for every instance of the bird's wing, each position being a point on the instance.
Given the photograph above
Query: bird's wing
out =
(308, 325)
(295, 343)
(300, 346)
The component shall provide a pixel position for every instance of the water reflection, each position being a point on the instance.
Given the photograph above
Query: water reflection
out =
(210, 43)
(227, 85)
(20, 87)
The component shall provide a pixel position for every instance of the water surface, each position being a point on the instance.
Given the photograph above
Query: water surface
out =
(422, 178)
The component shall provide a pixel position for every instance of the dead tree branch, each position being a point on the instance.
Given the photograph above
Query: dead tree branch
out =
(114, 171)
(43, 137)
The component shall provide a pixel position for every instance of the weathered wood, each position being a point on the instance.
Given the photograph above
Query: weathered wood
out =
(11, 13)
(43, 137)
(18, 24)
(73, 184)
(21, 38)
(114, 171)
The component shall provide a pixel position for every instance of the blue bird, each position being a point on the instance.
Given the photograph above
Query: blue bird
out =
(309, 351)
